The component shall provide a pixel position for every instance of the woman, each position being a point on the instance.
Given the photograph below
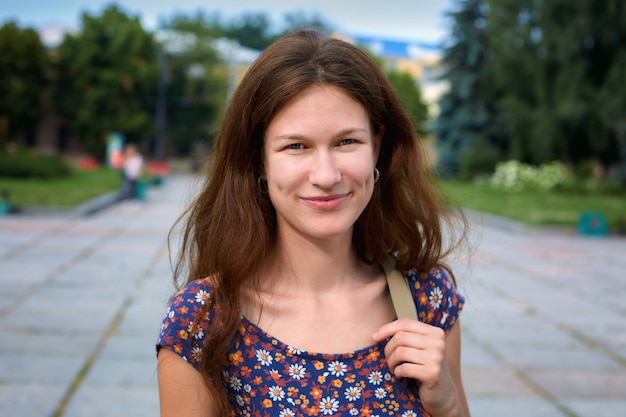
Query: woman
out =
(317, 175)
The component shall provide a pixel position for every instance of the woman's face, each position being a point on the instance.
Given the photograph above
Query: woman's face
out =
(319, 160)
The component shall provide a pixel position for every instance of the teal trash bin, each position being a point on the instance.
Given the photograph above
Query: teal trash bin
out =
(141, 189)
(592, 224)
(5, 207)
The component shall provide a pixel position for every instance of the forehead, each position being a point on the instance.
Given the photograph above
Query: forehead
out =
(317, 107)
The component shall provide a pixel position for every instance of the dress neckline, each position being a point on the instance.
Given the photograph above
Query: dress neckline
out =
(280, 345)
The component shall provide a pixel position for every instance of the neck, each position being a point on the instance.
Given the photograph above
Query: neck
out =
(314, 266)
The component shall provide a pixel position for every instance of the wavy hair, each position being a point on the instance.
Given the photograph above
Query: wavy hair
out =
(230, 227)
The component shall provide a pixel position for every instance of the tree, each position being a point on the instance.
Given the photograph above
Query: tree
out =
(411, 97)
(558, 76)
(299, 19)
(195, 90)
(467, 123)
(23, 65)
(107, 79)
(252, 30)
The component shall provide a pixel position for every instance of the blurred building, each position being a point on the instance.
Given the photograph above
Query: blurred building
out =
(422, 60)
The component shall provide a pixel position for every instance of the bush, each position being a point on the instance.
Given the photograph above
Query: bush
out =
(23, 164)
(517, 176)
(480, 159)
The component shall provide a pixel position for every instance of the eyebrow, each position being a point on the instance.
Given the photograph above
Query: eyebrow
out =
(344, 132)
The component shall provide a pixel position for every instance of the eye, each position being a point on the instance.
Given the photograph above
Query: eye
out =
(345, 142)
(295, 146)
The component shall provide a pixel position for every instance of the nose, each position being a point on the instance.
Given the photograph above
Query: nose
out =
(325, 171)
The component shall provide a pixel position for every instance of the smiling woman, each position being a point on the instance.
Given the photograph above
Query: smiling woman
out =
(284, 309)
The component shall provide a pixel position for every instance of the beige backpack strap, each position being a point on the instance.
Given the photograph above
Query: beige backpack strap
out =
(400, 291)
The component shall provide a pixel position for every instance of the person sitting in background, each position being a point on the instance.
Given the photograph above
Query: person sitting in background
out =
(132, 168)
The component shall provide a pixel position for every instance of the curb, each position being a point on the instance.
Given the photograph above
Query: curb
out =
(85, 209)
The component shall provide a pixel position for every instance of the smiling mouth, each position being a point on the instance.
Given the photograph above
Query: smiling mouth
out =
(327, 202)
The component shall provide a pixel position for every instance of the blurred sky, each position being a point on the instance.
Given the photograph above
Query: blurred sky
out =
(421, 20)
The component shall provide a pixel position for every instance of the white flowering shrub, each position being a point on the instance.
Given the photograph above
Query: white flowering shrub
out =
(517, 176)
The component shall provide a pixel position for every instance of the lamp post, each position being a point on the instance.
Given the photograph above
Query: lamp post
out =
(160, 111)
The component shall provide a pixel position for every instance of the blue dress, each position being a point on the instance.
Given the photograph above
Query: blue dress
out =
(266, 377)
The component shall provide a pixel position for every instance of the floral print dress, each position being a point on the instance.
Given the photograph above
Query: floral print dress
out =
(266, 377)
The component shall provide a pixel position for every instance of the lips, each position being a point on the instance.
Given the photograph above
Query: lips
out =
(326, 202)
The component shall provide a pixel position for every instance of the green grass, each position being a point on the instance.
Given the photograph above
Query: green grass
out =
(76, 189)
(537, 207)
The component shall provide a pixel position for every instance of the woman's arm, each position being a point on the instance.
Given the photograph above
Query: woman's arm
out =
(453, 355)
(182, 391)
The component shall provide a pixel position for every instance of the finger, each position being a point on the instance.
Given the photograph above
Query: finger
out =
(432, 339)
(390, 329)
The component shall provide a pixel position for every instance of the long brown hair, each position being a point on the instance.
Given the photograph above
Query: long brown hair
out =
(229, 229)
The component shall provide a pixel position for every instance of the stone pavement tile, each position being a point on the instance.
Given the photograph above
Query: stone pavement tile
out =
(512, 407)
(131, 346)
(582, 384)
(517, 331)
(527, 357)
(474, 356)
(70, 320)
(122, 373)
(50, 343)
(21, 369)
(106, 401)
(31, 400)
(597, 408)
(494, 383)
(22, 273)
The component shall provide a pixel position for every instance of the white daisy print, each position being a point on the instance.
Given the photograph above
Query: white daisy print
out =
(435, 298)
(297, 371)
(329, 406)
(197, 332)
(293, 351)
(202, 296)
(375, 378)
(337, 368)
(264, 357)
(277, 393)
(196, 353)
(353, 393)
(409, 413)
(380, 393)
(287, 412)
(235, 383)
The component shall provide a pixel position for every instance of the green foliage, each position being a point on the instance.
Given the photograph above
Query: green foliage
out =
(253, 30)
(478, 160)
(23, 164)
(537, 207)
(538, 80)
(467, 120)
(411, 97)
(107, 79)
(71, 190)
(195, 89)
(517, 176)
(23, 63)
(250, 29)
(557, 73)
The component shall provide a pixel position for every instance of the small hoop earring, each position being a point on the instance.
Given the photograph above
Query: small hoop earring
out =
(376, 175)
(262, 185)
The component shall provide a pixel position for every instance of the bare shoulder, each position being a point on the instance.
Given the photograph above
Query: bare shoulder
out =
(182, 390)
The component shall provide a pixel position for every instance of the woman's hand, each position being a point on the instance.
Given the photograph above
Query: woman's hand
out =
(417, 350)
